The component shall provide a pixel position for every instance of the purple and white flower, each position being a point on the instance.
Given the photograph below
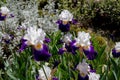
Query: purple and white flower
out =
(64, 18)
(83, 41)
(116, 50)
(83, 68)
(4, 10)
(68, 44)
(35, 37)
(86, 72)
(3, 13)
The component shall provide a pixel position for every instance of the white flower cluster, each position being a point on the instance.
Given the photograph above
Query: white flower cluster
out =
(83, 39)
(65, 16)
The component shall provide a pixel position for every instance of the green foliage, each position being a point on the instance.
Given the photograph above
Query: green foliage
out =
(22, 66)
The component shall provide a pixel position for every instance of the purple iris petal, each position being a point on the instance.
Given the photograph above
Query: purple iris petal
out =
(11, 15)
(115, 54)
(42, 54)
(2, 18)
(91, 53)
(61, 51)
(47, 40)
(91, 68)
(59, 22)
(37, 77)
(55, 78)
(83, 78)
(71, 47)
(63, 27)
(74, 21)
(23, 45)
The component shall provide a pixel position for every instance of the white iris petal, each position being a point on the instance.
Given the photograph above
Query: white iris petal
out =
(117, 46)
(4, 10)
(65, 16)
(93, 76)
(67, 38)
(34, 36)
(42, 74)
(83, 39)
(83, 68)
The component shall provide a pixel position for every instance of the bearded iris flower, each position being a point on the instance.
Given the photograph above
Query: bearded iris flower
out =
(83, 68)
(83, 41)
(3, 13)
(71, 47)
(116, 50)
(35, 38)
(85, 72)
(64, 18)
(68, 45)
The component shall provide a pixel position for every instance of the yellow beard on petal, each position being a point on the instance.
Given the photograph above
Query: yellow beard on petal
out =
(3, 14)
(82, 74)
(38, 46)
(49, 78)
(64, 22)
(86, 47)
